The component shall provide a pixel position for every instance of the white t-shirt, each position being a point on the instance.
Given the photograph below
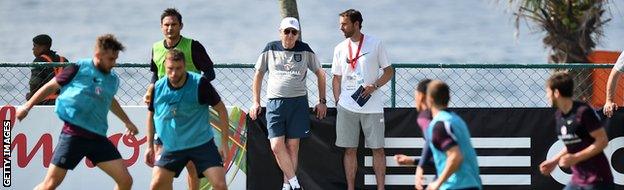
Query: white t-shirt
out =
(619, 64)
(373, 58)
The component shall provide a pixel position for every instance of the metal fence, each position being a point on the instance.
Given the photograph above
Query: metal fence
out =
(472, 85)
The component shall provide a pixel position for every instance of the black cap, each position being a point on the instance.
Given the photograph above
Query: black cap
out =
(42, 39)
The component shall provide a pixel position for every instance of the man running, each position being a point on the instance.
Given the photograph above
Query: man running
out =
(423, 120)
(579, 128)
(87, 93)
(449, 141)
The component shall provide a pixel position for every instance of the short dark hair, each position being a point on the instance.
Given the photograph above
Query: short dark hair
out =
(440, 92)
(175, 55)
(108, 42)
(353, 16)
(43, 39)
(422, 85)
(171, 12)
(563, 82)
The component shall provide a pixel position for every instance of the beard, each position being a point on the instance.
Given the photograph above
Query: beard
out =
(175, 80)
(347, 34)
(103, 68)
(553, 104)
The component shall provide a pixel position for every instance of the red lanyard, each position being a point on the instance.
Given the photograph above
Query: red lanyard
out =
(353, 61)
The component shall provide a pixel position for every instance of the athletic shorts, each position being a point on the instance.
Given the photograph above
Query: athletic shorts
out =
(348, 128)
(203, 156)
(71, 149)
(288, 117)
(157, 140)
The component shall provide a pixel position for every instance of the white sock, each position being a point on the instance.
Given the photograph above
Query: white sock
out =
(285, 186)
(294, 183)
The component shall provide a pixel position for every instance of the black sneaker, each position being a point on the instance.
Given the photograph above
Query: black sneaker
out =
(300, 188)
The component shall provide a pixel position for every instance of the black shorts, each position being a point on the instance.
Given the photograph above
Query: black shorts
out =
(71, 149)
(158, 142)
(203, 156)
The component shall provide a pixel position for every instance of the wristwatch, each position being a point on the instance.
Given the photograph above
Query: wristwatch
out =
(322, 101)
(376, 86)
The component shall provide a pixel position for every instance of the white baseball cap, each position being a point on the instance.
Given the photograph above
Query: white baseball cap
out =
(289, 22)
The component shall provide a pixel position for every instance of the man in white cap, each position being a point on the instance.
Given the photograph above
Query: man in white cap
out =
(287, 62)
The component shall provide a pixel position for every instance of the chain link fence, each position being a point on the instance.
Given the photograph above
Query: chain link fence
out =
(472, 85)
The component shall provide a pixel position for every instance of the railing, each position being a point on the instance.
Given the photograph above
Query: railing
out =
(472, 85)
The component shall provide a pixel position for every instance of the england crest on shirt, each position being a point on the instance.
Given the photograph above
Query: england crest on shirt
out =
(297, 57)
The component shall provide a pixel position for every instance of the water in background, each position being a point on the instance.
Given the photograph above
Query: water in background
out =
(448, 31)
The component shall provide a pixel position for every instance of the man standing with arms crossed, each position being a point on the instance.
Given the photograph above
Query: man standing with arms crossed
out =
(87, 93)
(579, 128)
(179, 113)
(197, 60)
(287, 62)
(355, 66)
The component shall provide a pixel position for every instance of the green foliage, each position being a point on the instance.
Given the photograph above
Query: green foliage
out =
(573, 27)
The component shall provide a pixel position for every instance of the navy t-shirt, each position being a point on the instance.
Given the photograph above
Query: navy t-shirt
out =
(423, 120)
(574, 128)
(442, 136)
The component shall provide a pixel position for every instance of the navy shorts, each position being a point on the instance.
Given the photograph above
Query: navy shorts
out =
(203, 156)
(288, 117)
(157, 140)
(71, 149)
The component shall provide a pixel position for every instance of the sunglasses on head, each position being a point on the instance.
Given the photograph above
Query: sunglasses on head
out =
(290, 31)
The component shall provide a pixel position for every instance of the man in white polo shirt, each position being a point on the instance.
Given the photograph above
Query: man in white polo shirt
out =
(616, 72)
(356, 67)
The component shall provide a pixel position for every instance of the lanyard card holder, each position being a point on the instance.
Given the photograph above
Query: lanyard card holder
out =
(359, 98)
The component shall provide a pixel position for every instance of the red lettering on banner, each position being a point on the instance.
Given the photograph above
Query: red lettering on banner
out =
(132, 142)
(21, 144)
(9, 111)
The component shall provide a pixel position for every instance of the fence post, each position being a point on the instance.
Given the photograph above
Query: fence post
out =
(393, 90)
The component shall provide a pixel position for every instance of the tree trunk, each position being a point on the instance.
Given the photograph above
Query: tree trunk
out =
(583, 80)
(288, 8)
